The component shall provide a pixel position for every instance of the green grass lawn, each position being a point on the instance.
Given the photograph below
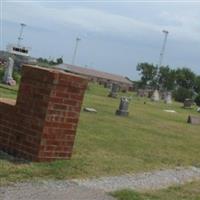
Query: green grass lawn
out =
(110, 145)
(189, 191)
(8, 91)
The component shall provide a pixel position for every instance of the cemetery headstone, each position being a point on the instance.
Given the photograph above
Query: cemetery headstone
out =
(114, 90)
(155, 96)
(8, 79)
(123, 107)
(193, 120)
(144, 93)
(168, 98)
(140, 93)
(163, 94)
(188, 103)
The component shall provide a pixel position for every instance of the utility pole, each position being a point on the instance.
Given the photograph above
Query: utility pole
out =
(75, 50)
(20, 38)
(163, 48)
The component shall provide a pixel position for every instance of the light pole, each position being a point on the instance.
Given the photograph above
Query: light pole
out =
(20, 38)
(163, 47)
(75, 50)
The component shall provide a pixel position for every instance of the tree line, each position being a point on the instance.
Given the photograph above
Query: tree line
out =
(183, 82)
(50, 62)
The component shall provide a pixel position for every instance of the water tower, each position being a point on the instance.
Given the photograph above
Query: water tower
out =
(19, 49)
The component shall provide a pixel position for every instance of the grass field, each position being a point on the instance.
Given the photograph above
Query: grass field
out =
(8, 91)
(110, 145)
(189, 191)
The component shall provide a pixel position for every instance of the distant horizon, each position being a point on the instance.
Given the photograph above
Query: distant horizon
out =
(115, 36)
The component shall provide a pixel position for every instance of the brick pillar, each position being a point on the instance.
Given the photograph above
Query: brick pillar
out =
(46, 114)
(62, 117)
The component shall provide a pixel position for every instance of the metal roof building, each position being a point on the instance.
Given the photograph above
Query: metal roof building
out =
(96, 75)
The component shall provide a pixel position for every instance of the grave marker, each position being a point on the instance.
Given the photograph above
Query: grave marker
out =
(114, 90)
(168, 98)
(155, 96)
(193, 120)
(188, 103)
(123, 107)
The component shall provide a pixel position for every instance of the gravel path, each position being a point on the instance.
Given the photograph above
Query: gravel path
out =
(144, 181)
(51, 190)
(95, 189)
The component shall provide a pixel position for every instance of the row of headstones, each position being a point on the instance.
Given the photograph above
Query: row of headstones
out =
(124, 101)
(188, 103)
(121, 111)
(167, 96)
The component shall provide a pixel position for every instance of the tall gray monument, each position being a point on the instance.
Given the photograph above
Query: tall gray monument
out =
(8, 79)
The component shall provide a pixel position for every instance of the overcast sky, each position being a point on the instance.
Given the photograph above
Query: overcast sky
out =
(115, 36)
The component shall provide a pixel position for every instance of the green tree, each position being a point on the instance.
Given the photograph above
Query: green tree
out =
(197, 100)
(59, 60)
(166, 78)
(148, 73)
(185, 78)
(181, 93)
(197, 84)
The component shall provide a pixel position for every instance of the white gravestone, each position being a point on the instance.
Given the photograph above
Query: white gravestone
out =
(168, 98)
(155, 96)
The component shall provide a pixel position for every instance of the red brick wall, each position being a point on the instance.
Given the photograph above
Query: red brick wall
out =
(42, 125)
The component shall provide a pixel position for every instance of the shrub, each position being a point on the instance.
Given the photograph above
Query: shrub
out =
(182, 93)
(16, 76)
(1, 74)
(197, 100)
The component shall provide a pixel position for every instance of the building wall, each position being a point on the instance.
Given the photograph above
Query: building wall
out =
(103, 81)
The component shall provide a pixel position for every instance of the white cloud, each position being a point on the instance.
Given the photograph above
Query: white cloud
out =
(184, 25)
(180, 26)
(90, 19)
